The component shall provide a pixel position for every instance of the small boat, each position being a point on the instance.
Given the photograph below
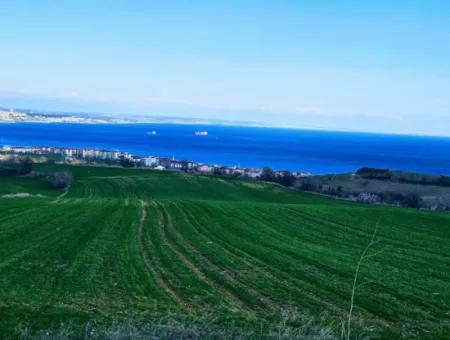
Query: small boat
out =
(201, 133)
(151, 133)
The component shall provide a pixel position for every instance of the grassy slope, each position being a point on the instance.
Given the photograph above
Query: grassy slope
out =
(132, 242)
(11, 184)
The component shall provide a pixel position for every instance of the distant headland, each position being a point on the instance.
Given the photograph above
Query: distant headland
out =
(12, 115)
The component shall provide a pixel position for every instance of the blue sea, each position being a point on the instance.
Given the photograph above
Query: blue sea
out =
(317, 152)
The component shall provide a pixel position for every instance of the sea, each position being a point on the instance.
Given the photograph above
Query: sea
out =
(316, 152)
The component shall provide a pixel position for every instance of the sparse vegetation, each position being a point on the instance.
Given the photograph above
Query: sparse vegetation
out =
(292, 325)
(284, 178)
(382, 186)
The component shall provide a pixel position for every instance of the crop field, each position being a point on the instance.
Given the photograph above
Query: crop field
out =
(121, 244)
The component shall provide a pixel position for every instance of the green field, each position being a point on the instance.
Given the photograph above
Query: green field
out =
(132, 244)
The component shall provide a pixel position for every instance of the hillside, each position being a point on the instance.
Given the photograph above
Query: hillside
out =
(126, 244)
(381, 186)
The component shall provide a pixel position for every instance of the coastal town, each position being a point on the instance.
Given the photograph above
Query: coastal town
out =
(92, 156)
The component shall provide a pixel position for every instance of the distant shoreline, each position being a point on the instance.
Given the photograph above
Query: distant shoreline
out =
(312, 151)
(38, 116)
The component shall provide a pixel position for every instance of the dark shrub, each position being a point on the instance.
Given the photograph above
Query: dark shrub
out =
(26, 166)
(413, 201)
(267, 174)
(219, 171)
(185, 166)
(62, 180)
(126, 162)
(286, 179)
(306, 184)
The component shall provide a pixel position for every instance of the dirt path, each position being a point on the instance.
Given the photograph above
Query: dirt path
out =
(150, 264)
(188, 263)
(268, 304)
(261, 267)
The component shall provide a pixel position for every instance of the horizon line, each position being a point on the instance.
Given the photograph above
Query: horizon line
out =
(209, 121)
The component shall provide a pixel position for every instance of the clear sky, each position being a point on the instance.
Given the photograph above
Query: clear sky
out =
(353, 65)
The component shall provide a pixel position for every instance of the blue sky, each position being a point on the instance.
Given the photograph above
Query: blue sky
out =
(380, 66)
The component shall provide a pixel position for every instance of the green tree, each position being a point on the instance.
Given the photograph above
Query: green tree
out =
(26, 166)
(267, 174)
(184, 166)
(126, 162)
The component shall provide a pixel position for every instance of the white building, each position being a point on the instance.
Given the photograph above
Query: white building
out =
(253, 173)
(150, 161)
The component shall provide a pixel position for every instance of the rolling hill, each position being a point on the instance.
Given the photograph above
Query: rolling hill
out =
(126, 244)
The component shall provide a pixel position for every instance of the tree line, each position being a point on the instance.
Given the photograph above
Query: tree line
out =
(59, 179)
